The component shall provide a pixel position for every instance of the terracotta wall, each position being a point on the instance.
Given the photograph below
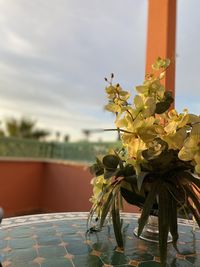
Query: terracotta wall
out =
(32, 187)
(67, 188)
(20, 187)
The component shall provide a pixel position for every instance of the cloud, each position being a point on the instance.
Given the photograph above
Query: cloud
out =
(188, 43)
(54, 58)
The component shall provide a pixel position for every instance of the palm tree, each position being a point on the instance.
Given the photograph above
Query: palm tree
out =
(2, 133)
(24, 128)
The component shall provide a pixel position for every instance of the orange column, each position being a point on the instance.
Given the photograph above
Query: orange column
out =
(161, 37)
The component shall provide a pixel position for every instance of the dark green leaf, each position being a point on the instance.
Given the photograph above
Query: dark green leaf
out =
(108, 174)
(193, 196)
(173, 225)
(168, 96)
(131, 179)
(164, 105)
(107, 205)
(190, 177)
(129, 170)
(140, 179)
(152, 152)
(132, 198)
(110, 162)
(163, 221)
(117, 225)
(106, 208)
(96, 169)
(150, 199)
(163, 161)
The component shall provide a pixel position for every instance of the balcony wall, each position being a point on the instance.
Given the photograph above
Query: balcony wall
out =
(66, 188)
(21, 186)
(29, 187)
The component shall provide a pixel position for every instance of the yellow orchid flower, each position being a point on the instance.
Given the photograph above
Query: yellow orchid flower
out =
(144, 105)
(191, 148)
(176, 121)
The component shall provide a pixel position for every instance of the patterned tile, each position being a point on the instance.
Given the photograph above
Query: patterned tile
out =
(134, 263)
(60, 240)
(39, 260)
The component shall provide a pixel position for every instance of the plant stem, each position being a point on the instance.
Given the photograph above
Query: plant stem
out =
(118, 130)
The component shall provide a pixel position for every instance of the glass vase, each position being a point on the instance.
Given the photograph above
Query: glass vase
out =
(151, 231)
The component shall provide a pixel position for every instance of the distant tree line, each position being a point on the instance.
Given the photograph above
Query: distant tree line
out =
(25, 128)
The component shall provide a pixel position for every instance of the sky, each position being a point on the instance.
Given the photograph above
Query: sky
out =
(54, 55)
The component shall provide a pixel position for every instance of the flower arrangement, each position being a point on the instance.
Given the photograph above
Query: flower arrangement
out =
(158, 166)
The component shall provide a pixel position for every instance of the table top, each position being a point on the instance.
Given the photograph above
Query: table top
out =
(60, 240)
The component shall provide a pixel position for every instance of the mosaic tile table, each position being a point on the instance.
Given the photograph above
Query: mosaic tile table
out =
(59, 240)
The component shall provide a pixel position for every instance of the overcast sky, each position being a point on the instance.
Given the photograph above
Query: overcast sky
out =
(54, 55)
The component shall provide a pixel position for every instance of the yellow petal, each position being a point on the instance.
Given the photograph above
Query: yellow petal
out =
(186, 154)
(122, 123)
(142, 89)
(112, 107)
(110, 89)
(138, 101)
(197, 157)
(197, 168)
(171, 127)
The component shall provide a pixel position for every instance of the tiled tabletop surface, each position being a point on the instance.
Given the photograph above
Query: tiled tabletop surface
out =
(60, 240)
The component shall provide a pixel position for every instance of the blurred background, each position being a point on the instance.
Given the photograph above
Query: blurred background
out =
(54, 56)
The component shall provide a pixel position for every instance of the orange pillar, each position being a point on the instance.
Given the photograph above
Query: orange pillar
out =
(161, 37)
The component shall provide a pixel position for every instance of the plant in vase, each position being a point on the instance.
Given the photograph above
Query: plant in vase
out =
(158, 165)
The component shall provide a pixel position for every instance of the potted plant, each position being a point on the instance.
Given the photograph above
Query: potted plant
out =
(158, 165)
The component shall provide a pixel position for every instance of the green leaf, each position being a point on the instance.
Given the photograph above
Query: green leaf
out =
(110, 162)
(106, 208)
(131, 179)
(161, 162)
(129, 170)
(193, 196)
(173, 225)
(188, 176)
(132, 198)
(164, 222)
(108, 174)
(154, 153)
(96, 169)
(168, 96)
(164, 105)
(117, 225)
(150, 199)
(140, 179)
(114, 190)
(126, 185)
(176, 192)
